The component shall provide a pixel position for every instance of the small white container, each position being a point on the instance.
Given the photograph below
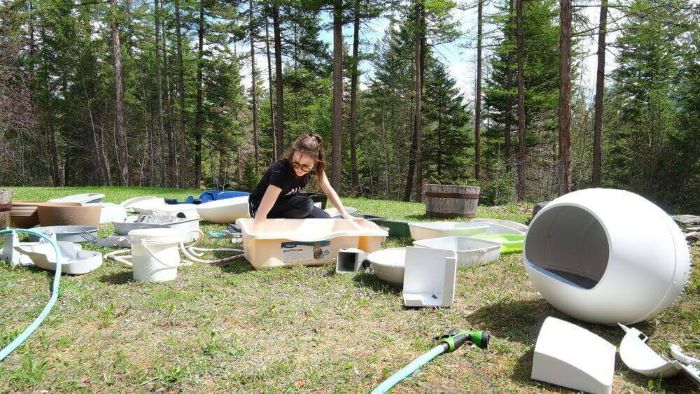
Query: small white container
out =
(349, 260)
(429, 277)
(469, 251)
(155, 254)
(425, 230)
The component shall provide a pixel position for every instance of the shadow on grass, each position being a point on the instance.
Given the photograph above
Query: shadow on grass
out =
(373, 282)
(523, 370)
(521, 321)
(118, 278)
(238, 265)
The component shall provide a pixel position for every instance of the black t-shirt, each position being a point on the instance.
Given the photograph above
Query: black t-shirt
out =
(280, 174)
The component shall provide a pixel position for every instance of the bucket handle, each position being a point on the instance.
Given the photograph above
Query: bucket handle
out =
(169, 266)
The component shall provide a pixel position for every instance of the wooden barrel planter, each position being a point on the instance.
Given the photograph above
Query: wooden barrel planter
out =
(446, 201)
(5, 208)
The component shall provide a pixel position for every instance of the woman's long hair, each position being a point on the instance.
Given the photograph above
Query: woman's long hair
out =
(312, 146)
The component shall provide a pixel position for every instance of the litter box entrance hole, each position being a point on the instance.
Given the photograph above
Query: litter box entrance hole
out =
(346, 262)
(569, 242)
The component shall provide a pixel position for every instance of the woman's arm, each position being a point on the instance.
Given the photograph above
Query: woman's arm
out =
(266, 204)
(332, 195)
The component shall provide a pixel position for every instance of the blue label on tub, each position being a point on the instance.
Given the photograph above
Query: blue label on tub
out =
(289, 245)
(305, 251)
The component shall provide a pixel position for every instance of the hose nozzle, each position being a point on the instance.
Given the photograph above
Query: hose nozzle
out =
(456, 338)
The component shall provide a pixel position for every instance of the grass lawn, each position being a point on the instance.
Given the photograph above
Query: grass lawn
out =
(228, 327)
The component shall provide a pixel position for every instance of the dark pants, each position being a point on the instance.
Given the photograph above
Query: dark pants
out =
(295, 207)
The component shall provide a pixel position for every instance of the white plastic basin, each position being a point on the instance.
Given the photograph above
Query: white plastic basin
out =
(388, 264)
(224, 211)
(425, 230)
(469, 251)
(285, 242)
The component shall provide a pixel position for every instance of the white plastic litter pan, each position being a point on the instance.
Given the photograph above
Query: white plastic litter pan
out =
(286, 242)
(469, 251)
(606, 256)
(509, 224)
(224, 211)
(84, 198)
(186, 227)
(155, 254)
(425, 230)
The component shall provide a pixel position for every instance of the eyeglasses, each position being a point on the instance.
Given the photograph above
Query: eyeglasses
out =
(304, 167)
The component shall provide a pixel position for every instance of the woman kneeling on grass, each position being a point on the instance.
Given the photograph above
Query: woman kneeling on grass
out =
(277, 193)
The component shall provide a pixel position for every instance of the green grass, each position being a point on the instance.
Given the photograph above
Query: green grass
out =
(228, 327)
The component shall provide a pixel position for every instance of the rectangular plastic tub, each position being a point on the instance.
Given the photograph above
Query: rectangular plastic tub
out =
(425, 230)
(287, 242)
(469, 251)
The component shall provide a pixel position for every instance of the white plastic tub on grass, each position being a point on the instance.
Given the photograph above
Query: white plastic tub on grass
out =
(389, 264)
(469, 251)
(425, 230)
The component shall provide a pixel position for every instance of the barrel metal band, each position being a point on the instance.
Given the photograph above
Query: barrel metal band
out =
(452, 195)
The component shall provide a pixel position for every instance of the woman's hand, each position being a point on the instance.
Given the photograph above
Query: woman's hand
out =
(258, 224)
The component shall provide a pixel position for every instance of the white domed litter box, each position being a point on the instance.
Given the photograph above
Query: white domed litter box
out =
(469, 251)
(606, 256)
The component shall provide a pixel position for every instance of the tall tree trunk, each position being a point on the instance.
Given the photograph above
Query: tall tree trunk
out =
(419, 9)
(509, 98)
(599, 93)
(279, 83)
(254, 87)
(337, 136)
(269, 84)
(477, 105)
(199, 121)
(182, 122)
(172, 171)
(123, 156)
(353, 99)
(565, 98)
(48, 115)
(159, 84)
(521, 100)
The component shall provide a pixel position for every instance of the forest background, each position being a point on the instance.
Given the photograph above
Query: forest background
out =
(152, 93)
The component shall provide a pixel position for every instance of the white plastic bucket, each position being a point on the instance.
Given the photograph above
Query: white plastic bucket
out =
(155, 254)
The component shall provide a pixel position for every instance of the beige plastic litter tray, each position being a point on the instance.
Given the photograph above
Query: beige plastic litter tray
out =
(287, 242)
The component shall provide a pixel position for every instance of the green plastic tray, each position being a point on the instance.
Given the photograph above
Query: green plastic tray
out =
(510, 243)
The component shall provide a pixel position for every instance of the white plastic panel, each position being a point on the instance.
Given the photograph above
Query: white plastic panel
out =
(570, 356)
(429, 277)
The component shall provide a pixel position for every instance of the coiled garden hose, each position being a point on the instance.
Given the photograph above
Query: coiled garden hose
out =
(54, 294)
